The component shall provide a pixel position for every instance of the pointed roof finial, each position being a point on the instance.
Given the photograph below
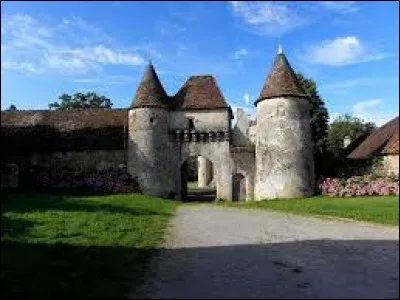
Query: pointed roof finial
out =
(282, 81)
(280, 49)
(150, 92)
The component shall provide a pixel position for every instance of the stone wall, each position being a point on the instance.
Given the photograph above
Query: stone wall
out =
(160, 142)
(83, 160)
(243, 162)
(389, 164)
(53, 131)
(89, 160)
(203, 120)
(86, 140)
(240, 130)
(284, 150)
(9, 176)
(253, 134)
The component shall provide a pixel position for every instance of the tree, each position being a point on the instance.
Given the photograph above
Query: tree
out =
(12, 107)
(81, 101)
(343, 126)
(319, 122)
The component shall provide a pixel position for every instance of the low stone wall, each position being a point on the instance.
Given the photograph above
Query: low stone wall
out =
(88, 160)
(390, 164)
(243, 162)
(9, 176)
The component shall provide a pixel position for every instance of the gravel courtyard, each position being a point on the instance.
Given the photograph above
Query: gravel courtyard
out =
(217, 252)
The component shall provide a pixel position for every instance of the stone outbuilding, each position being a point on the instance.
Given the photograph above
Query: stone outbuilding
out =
(383, 142)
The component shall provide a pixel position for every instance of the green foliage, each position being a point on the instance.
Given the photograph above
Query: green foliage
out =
(378, 209)
(81, 101)
(251, 146)
(80, 246)
(343, 126)
(192, 168)
(319, 121)
(12, 107)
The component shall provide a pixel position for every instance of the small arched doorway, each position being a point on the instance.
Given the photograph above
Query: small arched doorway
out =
(238, 187)
(193, 188)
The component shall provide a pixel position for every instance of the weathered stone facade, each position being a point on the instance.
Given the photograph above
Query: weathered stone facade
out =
(284, 156)
(165, 131)
(390, 164)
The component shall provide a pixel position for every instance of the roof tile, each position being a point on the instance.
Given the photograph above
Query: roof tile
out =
(282, 81)
(150, 92)
(200, 92)
(381, 141)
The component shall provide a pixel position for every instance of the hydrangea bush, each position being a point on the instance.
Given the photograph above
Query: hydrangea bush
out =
(111, 180)
(367, 185)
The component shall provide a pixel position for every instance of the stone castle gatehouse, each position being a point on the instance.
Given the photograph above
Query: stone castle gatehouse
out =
(157, 134)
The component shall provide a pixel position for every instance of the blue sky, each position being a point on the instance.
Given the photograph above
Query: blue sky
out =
(349, 48)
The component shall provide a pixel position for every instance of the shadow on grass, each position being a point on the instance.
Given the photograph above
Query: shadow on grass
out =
(15, 227)
(24, 202)
(60, 270)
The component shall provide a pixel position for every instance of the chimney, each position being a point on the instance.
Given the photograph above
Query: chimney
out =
(346, 141)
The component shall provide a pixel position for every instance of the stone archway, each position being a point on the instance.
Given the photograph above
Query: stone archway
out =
(190, 189)
(238, 187)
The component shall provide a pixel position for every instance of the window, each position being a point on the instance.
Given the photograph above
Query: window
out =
(191, 123)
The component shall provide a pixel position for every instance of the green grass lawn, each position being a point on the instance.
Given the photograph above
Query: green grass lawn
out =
(192, 185)
(78, 246)
(379, 209)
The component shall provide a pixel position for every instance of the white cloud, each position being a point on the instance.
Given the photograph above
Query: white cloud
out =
(340, 51)
(67, 48)
(350, 83)
(78, 23)
(369, 111)
(333, 116)
(105, 55)
(170, 28)
(342, 7)
(340, 86)
(246, 98)
(24, 66)
(361, 107)
(267, 18)
(239, 54)
(109, 80)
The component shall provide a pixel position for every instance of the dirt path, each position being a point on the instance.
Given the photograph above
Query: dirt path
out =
(214, 252)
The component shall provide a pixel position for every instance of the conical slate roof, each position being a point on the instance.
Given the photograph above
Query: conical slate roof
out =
(200, 92)
(150, 92)
(282, 81)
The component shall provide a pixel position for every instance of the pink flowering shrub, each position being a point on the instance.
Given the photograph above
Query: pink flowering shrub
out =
(367, 185)
(111, 180)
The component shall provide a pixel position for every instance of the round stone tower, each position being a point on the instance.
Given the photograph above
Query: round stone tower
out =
(284, 150)
(149, 145)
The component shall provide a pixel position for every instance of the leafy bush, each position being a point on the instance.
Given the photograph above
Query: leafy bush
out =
(110, 180)
(360, 186)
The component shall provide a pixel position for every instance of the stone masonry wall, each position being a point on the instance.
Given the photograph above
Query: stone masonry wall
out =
(243, 162)
(284, 156)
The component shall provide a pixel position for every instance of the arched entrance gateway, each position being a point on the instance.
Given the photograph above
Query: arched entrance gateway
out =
(197, 179)
(164, 132)
(203, 171)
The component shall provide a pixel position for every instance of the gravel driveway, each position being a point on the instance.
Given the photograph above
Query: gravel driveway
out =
(216, 252)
